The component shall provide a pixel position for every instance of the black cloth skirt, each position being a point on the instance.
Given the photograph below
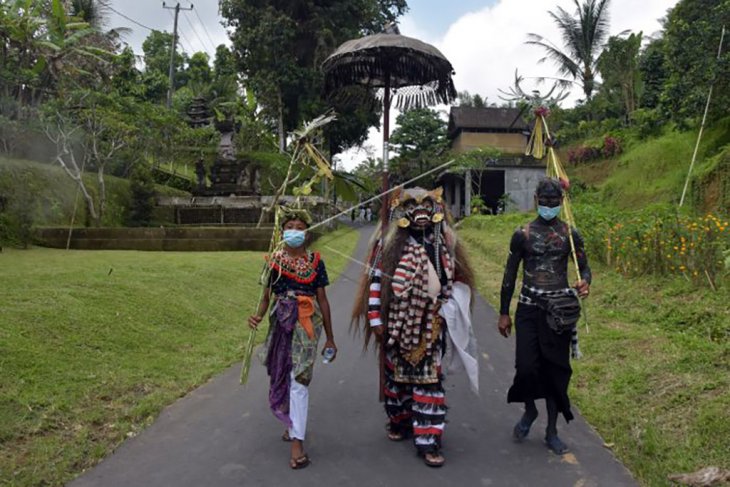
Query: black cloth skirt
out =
(542, 360)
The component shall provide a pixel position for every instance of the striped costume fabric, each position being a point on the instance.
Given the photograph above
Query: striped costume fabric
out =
(417, 409)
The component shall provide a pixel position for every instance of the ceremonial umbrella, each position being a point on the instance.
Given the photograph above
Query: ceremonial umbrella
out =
(411, 73)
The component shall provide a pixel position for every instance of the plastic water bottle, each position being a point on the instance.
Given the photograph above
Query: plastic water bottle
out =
(329, 354)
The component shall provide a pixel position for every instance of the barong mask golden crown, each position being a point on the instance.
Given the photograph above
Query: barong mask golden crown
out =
(415, 205)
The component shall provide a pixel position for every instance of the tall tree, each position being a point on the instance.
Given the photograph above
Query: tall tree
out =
(652, 67)
(281, 44)
(420, 139)
(96, 13)
(619, 67)
(198, 69)
(583, 33)
(466, 99)
(691, 38)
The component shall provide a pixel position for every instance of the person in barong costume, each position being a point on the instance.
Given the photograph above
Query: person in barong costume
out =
(299, 311)
(547, 312)
(416, 299)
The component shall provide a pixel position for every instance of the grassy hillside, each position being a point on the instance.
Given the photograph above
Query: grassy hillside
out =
(653, 171)
(48, 193)
(94, 344)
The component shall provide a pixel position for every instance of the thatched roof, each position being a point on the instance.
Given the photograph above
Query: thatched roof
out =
(419, 73)
(486, 119)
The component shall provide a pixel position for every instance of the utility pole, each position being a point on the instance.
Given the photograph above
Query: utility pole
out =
(171, 89)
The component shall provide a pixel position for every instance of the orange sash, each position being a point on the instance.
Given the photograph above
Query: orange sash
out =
(306, 311)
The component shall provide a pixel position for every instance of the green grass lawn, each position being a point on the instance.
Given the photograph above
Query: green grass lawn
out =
(94, 344)
(653, 387)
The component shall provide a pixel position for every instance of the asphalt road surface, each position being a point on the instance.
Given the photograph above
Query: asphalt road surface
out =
(223, 434)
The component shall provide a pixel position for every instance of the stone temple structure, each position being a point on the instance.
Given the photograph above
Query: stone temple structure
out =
(230, 175)
(234, 194)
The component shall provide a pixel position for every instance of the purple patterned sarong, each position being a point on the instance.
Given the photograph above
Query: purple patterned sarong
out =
(279, 360)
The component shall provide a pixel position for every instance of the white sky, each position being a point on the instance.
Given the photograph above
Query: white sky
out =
(484, 44)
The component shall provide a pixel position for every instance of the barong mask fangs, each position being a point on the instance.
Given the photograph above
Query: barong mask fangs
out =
(417, 208)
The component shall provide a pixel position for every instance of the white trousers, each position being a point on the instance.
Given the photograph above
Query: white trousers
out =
(298, 409)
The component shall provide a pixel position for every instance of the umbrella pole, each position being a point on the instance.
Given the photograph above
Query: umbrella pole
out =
(386, 150)
(384, 210)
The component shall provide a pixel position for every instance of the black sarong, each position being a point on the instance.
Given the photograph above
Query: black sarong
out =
(543, 360)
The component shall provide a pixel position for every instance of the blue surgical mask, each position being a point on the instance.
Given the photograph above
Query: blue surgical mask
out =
(547, 212)
(294, 238)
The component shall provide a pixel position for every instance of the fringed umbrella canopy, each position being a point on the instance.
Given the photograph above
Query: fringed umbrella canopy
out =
(416, 72)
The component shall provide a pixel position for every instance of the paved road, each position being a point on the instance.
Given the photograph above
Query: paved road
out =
(224, 435)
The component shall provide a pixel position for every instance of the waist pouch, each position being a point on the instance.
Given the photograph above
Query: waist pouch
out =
(563, 312)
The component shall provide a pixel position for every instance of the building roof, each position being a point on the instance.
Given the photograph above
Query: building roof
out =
(484, 119)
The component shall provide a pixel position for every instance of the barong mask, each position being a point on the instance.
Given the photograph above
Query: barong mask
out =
(417, 208)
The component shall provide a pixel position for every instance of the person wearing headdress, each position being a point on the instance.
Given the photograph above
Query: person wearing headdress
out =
(299, 312)
(416, 299)
(548, 310)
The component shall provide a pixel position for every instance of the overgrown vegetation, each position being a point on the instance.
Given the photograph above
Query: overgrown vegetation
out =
(655, 378)
(38, 194)
(95, 344)
(659, 241)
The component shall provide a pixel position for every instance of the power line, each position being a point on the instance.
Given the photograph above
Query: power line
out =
(202, 43)
(205, 29)
(107, 5)
(187, 46)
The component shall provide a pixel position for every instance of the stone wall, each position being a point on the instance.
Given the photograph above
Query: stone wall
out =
(158, 239)
(520, 184)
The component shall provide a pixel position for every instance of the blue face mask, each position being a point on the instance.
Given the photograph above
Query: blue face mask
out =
(547, 212)
(294, 238)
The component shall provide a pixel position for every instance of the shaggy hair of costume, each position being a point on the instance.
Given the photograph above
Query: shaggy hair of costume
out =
(394, 243)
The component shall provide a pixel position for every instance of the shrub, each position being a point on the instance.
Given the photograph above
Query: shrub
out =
(17, 212)
(659, 241)
(610, 147)
(142, 191)
(646, 122)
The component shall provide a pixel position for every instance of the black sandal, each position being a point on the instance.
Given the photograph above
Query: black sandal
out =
(556, 445)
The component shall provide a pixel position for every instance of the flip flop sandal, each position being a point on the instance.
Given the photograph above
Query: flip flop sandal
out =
(299, 463)
(556, 445)
(433, 463)
(393, 436)
(396, 435)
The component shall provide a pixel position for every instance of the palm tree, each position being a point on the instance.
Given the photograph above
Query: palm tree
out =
(96, 14)
(583, 35)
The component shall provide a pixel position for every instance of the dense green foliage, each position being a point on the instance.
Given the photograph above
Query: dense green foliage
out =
(420, 140)
(664, 84)
(692, 38)
(281, 45)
